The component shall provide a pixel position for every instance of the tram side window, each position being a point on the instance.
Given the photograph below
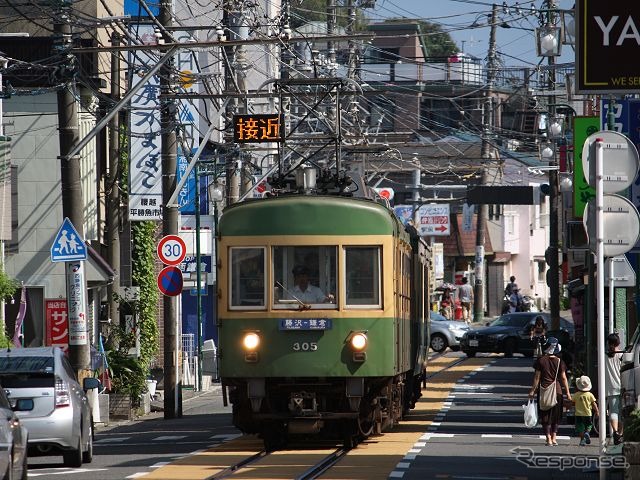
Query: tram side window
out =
(363, 276)
(304, 276)
(247, 277)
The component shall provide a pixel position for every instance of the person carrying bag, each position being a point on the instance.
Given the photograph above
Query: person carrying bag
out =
(549, 380)
(548, 395)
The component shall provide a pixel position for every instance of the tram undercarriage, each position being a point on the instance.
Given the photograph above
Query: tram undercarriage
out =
(350, 409)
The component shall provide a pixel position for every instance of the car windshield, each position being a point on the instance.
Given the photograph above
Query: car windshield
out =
(510, 321)
(21, 364)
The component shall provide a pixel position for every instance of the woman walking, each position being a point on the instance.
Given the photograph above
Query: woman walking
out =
(549, 380)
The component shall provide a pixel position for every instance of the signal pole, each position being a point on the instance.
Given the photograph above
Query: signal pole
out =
(169, 151)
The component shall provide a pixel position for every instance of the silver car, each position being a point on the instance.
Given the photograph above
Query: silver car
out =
(60, 421)
(13, 439)
(445, 333)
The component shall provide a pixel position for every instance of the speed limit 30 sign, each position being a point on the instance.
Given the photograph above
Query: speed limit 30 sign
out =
(171, 250)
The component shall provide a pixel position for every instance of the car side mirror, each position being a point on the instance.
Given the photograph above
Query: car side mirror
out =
(23, 405)
(90, 382)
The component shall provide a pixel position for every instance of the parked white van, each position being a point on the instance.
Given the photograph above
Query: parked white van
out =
(630, 375)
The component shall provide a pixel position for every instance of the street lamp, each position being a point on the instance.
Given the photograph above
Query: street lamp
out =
(548, 41)
(548, 45)
(568, 27)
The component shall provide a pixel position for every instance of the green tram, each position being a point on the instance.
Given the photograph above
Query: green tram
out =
(342, 359)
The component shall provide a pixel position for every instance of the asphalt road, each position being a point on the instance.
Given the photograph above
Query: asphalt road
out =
(477, 433)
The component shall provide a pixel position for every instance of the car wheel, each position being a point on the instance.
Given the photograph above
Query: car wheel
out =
(87, 455)
(509, 347)
(438, 343)
(73, 458)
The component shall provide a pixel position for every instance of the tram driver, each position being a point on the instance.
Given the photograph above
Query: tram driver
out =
(304, 291)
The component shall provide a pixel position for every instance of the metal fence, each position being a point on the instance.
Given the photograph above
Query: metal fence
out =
(189, 359)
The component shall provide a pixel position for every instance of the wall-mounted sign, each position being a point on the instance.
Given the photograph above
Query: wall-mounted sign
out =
(607, 38)
(257, 128)
(57, 325)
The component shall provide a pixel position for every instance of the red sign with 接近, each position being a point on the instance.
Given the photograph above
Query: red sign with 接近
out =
(57, 325)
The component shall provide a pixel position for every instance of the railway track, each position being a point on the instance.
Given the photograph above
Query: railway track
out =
(324, 464)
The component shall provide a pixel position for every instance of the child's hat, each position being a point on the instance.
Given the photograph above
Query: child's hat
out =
(583, 383)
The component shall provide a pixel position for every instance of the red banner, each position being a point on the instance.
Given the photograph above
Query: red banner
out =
(57, 333)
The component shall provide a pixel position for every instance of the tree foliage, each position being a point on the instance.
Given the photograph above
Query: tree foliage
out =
(438, 43)
(306, 11)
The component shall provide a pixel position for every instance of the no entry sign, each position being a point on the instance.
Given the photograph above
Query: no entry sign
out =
(170, 281)
(171, 250)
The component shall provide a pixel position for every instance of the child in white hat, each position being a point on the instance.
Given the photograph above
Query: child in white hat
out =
(586, 405)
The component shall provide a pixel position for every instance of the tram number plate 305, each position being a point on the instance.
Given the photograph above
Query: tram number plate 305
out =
(305, 346)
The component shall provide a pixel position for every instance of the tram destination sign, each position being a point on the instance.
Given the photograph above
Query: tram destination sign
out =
(305, 324)
(257, 128)
(607, 42)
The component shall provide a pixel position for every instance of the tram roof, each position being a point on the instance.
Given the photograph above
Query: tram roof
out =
(309, 215)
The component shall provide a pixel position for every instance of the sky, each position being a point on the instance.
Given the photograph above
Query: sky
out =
(516, 44)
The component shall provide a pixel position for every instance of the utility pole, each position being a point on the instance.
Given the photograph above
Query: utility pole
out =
(486, 153)
(113, 188)
(169, 151)
(79, 353)
(233, 168)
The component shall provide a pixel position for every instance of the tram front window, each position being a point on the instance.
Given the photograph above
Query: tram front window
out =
(304, 277)
(363, 277)
(247, 278)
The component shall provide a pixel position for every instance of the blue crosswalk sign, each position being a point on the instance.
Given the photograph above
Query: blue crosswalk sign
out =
(68, 244)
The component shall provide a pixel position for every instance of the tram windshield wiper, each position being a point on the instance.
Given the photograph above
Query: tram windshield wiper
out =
(301, 304)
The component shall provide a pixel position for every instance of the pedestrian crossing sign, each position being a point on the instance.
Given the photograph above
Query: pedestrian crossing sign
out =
(68, 245)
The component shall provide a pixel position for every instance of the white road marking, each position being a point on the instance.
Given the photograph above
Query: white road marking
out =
(112, 440)
(396, 474)
(65, 471)
(496, 435)
(169, 437)
(403, 465)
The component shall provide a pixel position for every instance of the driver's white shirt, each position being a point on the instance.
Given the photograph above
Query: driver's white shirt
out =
(310, 295)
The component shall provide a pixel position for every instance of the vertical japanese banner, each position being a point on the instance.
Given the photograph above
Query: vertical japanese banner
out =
(77, 303)
(187, 114)
(57, 326)
(22, 313)
(145, 167)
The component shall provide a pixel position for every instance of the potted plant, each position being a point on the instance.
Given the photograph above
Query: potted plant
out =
(128, 377)
(631, 446)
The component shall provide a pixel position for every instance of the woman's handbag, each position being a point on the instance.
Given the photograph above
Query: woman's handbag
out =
(548, 395)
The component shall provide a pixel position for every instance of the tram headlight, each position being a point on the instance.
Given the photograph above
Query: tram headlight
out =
(251, 341)
(358, 341)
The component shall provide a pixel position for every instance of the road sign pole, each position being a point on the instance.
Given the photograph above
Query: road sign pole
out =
(611, 293)
(599, 148)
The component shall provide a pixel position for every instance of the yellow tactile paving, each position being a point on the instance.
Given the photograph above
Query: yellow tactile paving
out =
(372, 460)
(376, 458)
